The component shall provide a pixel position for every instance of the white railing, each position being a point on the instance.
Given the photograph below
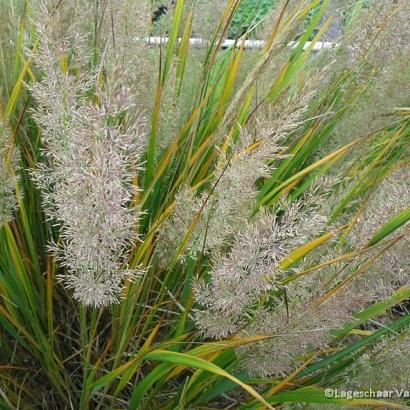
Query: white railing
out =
(199, 42)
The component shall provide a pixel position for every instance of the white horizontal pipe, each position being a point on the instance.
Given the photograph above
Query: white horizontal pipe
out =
(199, 42)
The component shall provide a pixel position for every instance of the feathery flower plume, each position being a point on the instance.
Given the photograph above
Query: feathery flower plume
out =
(222, 211)
(392, 196)
(124, 27)
(238, 297)
(299, 323)
(91, 156)
(8, 177)
(227, 204)
(384, 367)
(231, 299)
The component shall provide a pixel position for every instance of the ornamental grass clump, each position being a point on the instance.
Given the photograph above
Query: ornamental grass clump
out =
(187, 224)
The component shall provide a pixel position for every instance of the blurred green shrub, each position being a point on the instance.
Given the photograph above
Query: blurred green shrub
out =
(249, 13)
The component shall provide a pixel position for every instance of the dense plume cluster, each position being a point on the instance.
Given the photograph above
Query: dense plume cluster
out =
(8, 175)
(91, 156)
(297, 323)
(221, 211)
(320, 301)
(218, 195)
(237, 296)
